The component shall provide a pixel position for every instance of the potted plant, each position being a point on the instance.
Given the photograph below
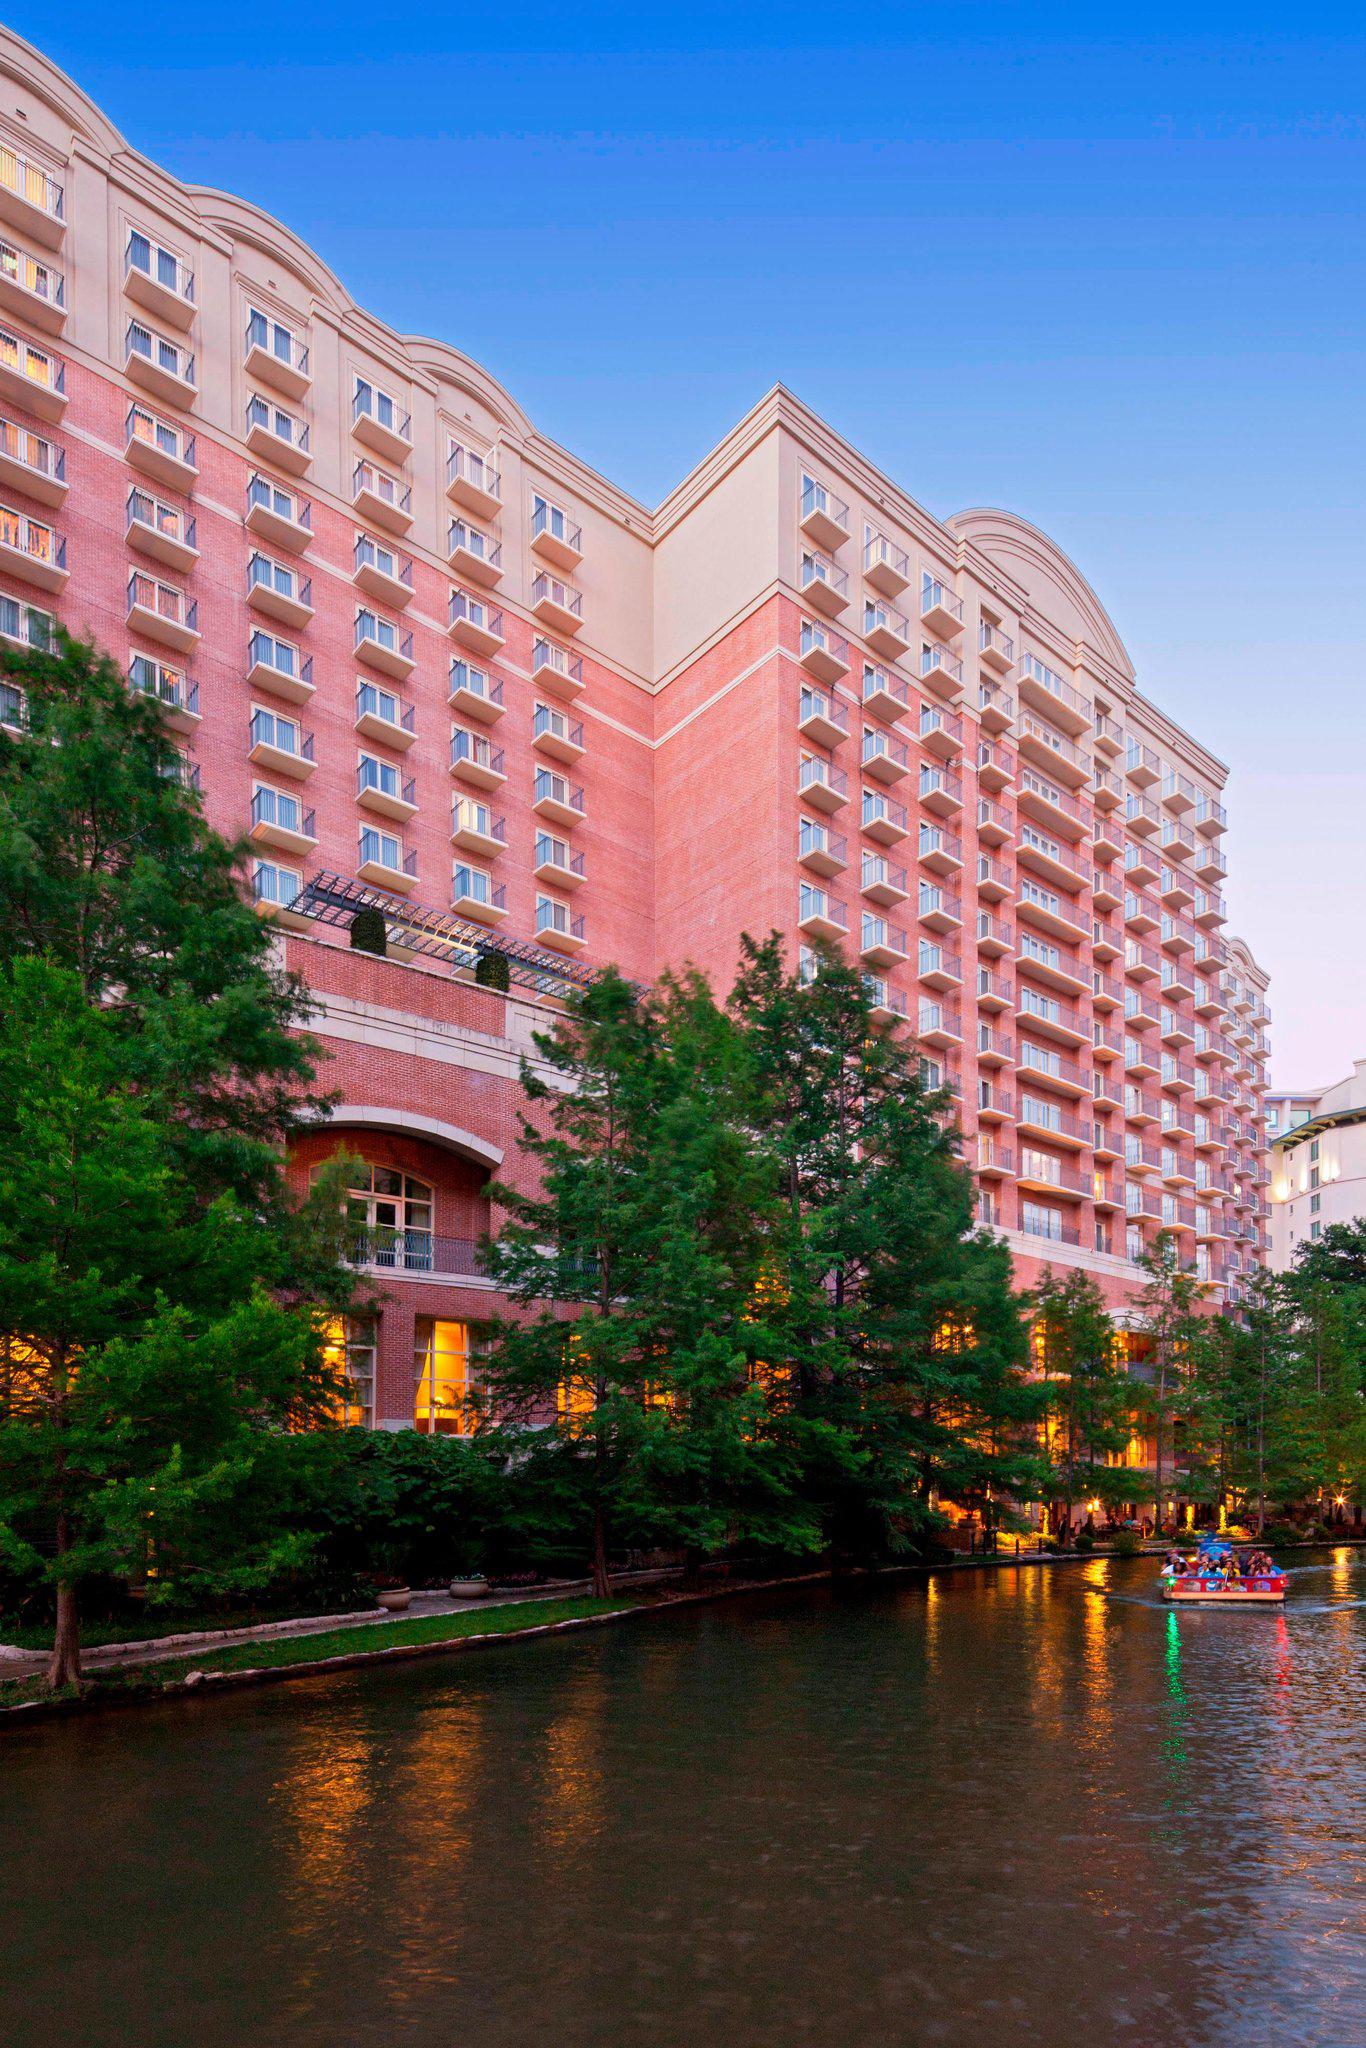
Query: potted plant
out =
(473, 1587)
(392, 1592)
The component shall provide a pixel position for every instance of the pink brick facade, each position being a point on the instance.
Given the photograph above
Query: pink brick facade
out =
(787, 698)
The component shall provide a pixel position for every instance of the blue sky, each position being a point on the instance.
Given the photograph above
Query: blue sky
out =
(1020, 255)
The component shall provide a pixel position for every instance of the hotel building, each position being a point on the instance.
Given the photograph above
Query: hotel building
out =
(423, 657)
(1318, 1163)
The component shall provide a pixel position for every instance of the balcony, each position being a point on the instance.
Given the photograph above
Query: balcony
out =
(996, 765)
(157, 280)
(885, 758)
(383, 574)
(1107, 735)
(476, 760)
(994, 1162)
(883, 881)
(31, 198)
(275, 665)
(995, 649)
(160, 531)
(824, 518)
(1049, 912)
(278, 744)
(1047, 1018)
(559, 928)
(885, 696)
(381, 788)
(279, 516)
(1106, 789)
(474, 555)
(819, 850)
(556, 605)
(277, 436)
(381, 499)
(824, 585)
(169, 688)
(1051, 966)
(941, 733)
(883, 818)
(31, 551)
(992, 1049)
(30, 463)
(1210, 817)
(881, 944)
(31, 377)
(1177, 889)
(160, 366)
(937, 967)
(556, 863)
(886, 1005)
(938, 1025)
(474, 829)
(474, 693)
(1043, 1064)
(886, 567)
(1210, 864)
(384, 862)
(380, 644)
(554, 797)
(941, 671)
(1056, 808)
(821, 915)
(279, 592)
(941, 610)
(995, 879)
(1178, 792)
(822, 719)
(1053, 695)
(474, 624)
(1055, 860)
(379, 422)
(1142, 765)
(553, 733)
(275, 356)
(1052, 751)
(380, 716)
(1040, 1175)
(995, 935)
(34, 290)
(281, 821)
(472, 481)
(822, 653)
(939, 850)
(556, 669)
(994, 824)
(994, 1108)
(474, 896)
(555, 537)
(938, 909)
(939, 791)
(1042, 1119)
(159, 611)
(887, 631)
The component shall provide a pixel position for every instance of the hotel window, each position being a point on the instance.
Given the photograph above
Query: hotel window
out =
(272, 884)
(1314, 1203)
(446, 1377)
(372, 401)
(274, 339)
(391, 1215)
(162, 265)
(26, 625)
(1316, 1230)
(269, 729)
(351, 1351)
(381, 848)
(276, 420)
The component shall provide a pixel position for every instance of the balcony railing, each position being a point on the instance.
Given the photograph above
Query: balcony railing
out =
(30, 183)
(416, 1251)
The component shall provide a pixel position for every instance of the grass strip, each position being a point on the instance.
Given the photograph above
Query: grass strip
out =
(366, 1639)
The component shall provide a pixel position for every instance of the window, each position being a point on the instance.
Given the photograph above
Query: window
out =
(265, 651)
(156, 348)
(160, 264)
(1314, 1202)
(157, 679)
(351, 1349)
(275, 339)
(379, 775)
(269, 729)
(473, 885)
(374, 403)
(390, 1216)
(25, 624)
(382, 849)
(1316, 1230)
(276, 885)
(269, 418)
(277, 807)
(273, 497)
(445, 1377)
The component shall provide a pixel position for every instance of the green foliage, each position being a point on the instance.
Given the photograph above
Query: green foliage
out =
(369, 932)
(153, 1337)
(1127, 1543)
(491, 970)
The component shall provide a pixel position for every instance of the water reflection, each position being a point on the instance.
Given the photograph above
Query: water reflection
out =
(983, 1806)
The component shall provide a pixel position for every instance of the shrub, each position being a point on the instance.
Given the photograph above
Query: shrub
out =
(1085, 1544)
(369, 933)
(1128, 1543)
(491, 971)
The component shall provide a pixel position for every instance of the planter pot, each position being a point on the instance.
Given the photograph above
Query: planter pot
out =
(469, 1589)
(396, 1598)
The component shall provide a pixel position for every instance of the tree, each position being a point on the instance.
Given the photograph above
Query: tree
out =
(902, 1344)
(155, 1280)
(1169, 1308)
(1074, 1347)
(1337, 1259)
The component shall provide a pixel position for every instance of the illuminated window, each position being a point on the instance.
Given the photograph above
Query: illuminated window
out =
(352, 1343)
(445, 1377)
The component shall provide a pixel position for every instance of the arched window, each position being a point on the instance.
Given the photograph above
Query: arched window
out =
(391, 1215)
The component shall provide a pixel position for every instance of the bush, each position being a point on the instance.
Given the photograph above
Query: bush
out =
(1085, 1544)
(369, 932)
(1128, 1543)
(491, 971)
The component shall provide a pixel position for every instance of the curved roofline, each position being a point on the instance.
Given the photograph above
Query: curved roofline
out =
(983, 523)
(248, 222)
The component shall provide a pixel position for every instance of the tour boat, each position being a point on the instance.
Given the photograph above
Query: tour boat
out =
(1207, 1584)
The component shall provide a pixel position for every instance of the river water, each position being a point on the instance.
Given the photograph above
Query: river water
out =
(1023, 1807)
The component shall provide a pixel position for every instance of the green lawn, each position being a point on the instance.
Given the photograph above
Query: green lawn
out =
(274, 1653)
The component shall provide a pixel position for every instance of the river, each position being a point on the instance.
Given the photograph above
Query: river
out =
(1022, 1807)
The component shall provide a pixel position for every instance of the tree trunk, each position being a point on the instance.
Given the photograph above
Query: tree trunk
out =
(692, 1567)
(602, 1582)
(64, 1666)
